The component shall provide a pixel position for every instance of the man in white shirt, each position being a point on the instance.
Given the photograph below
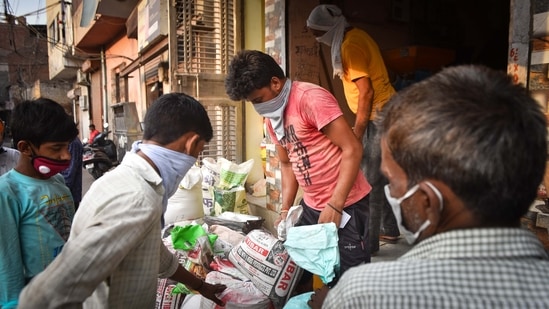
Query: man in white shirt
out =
(115, 254)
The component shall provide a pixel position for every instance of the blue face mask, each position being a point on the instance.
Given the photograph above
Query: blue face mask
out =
(410, 236)
(171, 164)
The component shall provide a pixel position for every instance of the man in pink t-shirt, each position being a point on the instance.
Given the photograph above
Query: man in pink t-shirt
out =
(316, 148)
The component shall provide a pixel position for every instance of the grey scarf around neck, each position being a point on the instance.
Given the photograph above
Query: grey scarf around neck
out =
(274, 109)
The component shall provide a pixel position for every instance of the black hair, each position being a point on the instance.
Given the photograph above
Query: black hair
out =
(250, 70)
(40, 121)
(173, 115)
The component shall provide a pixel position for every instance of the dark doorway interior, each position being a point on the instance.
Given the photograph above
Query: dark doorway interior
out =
(477, 30)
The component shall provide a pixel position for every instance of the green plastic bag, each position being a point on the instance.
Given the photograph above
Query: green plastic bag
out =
(180, 288)
(184, 237)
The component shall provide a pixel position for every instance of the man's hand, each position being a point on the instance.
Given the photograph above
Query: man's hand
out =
(358, 133)
(317, 299)
(280, 218)
(329, 215)
(210, 291)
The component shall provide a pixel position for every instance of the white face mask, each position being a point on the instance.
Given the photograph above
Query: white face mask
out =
(274, 109)
(410, 236)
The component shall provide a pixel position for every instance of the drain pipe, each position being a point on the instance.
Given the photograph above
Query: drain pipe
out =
(104, 96)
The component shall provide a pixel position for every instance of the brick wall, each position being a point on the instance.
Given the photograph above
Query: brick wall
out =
(23, 48)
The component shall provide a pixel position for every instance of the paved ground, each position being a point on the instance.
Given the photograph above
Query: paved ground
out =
(388, 252)
(87, 180)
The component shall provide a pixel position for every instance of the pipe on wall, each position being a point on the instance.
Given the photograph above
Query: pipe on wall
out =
(104, 96)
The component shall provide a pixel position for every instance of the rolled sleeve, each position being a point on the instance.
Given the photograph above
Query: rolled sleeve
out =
(168, 262)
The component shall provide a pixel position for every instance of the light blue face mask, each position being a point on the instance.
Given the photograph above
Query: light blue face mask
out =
(410, 236)
(171, 164)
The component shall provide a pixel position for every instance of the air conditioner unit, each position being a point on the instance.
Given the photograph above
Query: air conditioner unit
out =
(83, 102)
(82, 78)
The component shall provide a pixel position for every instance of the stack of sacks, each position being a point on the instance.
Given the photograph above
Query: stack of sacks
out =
(262, 258)
(204, 251)
(225, 181)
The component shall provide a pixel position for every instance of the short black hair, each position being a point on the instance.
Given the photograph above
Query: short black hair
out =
(173, 115)
(91, 126)
(250, 70)
(40, 121)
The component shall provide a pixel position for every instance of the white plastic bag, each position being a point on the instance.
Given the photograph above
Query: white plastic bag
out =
(291, 219)
(238, 295)
(233, 175)
(186, 203)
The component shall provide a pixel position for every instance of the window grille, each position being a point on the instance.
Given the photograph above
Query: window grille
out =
(223, 116)
(205, 44)
(205, 35)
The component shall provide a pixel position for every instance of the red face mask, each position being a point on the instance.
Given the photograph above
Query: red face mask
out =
(49, 167)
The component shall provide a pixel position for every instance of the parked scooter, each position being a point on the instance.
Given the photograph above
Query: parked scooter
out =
(99, 156)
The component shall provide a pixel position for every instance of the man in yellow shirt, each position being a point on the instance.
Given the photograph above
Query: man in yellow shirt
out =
(356, 59)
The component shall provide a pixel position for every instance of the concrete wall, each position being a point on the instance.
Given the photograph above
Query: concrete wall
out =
(118, 56)
(254, 38)
(55, 90)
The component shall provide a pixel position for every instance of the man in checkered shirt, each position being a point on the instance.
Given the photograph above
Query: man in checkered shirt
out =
(464, 152)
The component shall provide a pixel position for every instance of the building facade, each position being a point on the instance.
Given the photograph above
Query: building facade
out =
(24, 72)
(124, 54)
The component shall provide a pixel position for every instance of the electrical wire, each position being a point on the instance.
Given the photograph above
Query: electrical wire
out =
(41, 10)
(26, 64)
